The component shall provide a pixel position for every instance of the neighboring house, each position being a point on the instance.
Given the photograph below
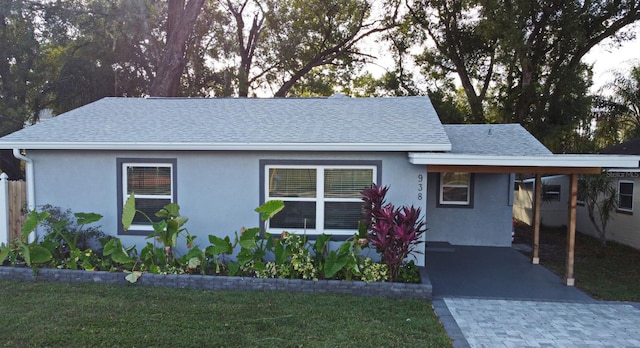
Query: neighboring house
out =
(220, 158)
(555, 195)
(624, 226)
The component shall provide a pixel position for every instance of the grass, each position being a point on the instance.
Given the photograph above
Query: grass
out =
(608, 272)
(36, 314)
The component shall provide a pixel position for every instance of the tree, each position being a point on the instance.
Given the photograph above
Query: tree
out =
(618, 113)
(99, 48)
(303, 35)
(462, 46)
(19, 50)
(181, 19)
(522, 59)
(247, 42)
(600, 197)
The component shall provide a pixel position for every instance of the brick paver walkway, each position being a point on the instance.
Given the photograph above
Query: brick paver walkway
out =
(511, 323)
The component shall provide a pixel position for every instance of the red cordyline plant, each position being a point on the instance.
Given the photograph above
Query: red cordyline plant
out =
(394, 232)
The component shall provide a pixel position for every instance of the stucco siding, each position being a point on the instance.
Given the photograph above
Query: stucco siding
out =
(553, 213)
(217, 191)
(623, 227)
(487, 223)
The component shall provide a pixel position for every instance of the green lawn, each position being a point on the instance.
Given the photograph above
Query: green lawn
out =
(610, 272)
(89, 315)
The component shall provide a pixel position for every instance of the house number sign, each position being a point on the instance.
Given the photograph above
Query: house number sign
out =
(420, 186)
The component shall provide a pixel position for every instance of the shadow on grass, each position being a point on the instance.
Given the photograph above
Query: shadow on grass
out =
(607, 272)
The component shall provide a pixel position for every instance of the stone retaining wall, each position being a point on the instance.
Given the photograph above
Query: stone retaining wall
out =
(204, 282)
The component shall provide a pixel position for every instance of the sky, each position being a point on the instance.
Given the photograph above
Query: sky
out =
(607, 60)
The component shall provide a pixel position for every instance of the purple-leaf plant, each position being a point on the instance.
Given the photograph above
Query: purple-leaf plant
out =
(394, 232)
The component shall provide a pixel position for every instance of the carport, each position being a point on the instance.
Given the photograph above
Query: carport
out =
(538, 165)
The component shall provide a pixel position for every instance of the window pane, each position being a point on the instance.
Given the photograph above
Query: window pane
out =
(625, 195)
(292, 182)
(150, 207)
(625, 202)
(341, 183)
(454, 194)
(149, 180)
(626, 188)
(342, 215)
(294, 214)
(455, 179)
(551, 192)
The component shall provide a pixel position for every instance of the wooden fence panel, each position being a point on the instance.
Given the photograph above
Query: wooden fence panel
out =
(17, 208)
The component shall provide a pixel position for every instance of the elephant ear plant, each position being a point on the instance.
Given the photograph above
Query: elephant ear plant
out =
(166, 230)
(30, 252)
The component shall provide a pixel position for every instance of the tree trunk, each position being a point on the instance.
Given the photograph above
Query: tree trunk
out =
(181, 20)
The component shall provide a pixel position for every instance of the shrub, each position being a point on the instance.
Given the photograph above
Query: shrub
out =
(394, 232)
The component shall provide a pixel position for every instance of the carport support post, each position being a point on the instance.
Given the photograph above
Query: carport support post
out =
(571, 231)
(535, 259)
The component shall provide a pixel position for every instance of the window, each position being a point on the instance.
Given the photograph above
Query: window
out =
(551, 193)
(152, 182)
(455, 189)
(625, 195)
(318, 198)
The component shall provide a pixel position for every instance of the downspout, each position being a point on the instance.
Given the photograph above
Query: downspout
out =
(31, 195)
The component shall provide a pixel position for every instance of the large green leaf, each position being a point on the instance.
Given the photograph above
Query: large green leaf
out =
(168, 211)
(234, 268)
(334, 264)
(87, 218)
(319, 247)
(281, 253)
(128, 212)
(26, 253)
(120, 256)
(133, 276)
(117, 251)
(247, 238)
(39, 254)
(259, 266)
(158, 227)
(33, 220)
(4, 252)
(244, 256)
(219, 245)
(173, 228)
(269, 209)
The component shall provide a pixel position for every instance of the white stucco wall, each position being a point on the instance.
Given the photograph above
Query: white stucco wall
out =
(624, 227)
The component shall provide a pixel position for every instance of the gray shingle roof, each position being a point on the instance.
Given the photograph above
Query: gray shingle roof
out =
(409, 122)
(494, 139)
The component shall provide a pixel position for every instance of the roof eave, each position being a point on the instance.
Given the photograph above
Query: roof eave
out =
(342, 147)
(553, 160)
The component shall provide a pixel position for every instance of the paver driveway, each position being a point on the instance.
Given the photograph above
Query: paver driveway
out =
(513, 323)
(494, 297)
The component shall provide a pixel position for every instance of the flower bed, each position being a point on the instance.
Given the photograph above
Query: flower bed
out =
(262, 261)
(204, 282)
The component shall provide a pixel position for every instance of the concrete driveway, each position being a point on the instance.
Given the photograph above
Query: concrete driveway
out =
(495, 297)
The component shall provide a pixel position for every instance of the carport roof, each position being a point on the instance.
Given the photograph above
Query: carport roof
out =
(509, 148)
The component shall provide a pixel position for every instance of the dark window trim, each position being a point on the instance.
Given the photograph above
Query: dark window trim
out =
(627, 211)
(547, 188)
(274, 162)
(174, 183)
(463, 206)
